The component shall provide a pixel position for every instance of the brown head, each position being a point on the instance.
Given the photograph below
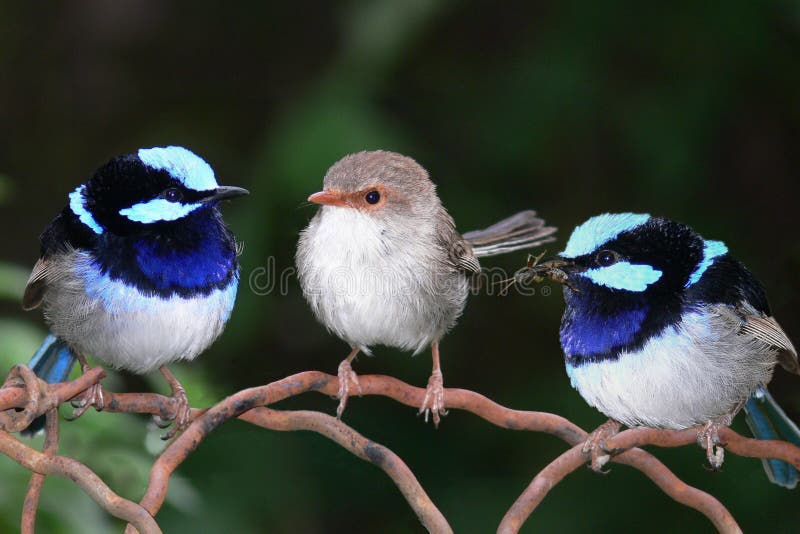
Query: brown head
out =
(379, 183)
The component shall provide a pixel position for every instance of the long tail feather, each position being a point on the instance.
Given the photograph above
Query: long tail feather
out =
(767, 420)
(520, 231)
(53, 362)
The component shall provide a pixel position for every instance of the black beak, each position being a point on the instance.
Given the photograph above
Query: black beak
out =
(224, 192)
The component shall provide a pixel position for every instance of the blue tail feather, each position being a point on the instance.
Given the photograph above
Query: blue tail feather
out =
(767, 420)
(53, 362)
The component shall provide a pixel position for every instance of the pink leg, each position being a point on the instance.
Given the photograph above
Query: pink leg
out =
(596, 444)
(183, 411)
(434, 393)
(346, 375)
(91, 397)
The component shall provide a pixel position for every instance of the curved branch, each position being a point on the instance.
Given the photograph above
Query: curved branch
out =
(541, 484)
(84, 477)
(31, 504)
(680, 491)
(367, 450)
(247, 405)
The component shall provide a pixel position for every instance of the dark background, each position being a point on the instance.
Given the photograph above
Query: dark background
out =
(573, 108)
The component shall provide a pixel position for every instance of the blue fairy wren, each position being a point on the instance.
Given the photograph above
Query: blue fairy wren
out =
(666, 329)
(139, 270)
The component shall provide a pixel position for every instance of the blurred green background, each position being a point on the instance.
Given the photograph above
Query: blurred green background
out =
(573, 108)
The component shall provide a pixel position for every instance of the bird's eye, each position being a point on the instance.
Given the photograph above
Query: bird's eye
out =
(373, 197)
(606, 257)
(173, 194)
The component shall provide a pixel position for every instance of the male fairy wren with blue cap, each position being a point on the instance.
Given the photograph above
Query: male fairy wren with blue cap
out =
(381, 263)
(665, 329)
(139, 270)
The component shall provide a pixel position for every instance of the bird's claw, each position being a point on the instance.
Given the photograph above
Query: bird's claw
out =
(708, 439)
(346, 376)
(93, 396)
(595, 446)
(433, 403)
(181, 415)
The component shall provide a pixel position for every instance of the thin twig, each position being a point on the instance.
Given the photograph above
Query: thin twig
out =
(31, 504)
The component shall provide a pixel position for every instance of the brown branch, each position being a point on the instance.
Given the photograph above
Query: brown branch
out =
(31, 504)
(541, 484)
(367, 450)
(680, 491)
(84, 477)
(247, 404)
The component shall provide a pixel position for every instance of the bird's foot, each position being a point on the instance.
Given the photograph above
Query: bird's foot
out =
(181, 413)
(708, 439)
(595, 445)
(433, 403)
(346, 376)
(93, 396)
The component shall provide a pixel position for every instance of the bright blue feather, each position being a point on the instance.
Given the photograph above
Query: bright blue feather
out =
(53, 363)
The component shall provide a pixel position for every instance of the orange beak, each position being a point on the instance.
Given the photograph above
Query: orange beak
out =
(328, 198)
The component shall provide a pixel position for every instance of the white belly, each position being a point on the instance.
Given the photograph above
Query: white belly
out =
(122, 327)
(369, 292)
(693, 373)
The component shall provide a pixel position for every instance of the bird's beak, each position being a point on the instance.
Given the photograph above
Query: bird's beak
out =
(328, 198)
(225, 191)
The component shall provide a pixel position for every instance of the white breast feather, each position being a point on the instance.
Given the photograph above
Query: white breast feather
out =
(700, 370)
(127, 329)
(370, 286)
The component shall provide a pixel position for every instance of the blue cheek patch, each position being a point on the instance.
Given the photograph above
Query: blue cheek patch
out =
(158, 210)
(624, 275)
(601, 229)
(76, 205)
(711, 250)
(182, 164)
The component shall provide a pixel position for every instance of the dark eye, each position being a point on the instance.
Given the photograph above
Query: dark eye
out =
(373, 197)
(173, 194)
(606, 258)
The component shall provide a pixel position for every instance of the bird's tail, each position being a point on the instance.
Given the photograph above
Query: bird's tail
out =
(767, 420)
(53, 362)
(520, 231)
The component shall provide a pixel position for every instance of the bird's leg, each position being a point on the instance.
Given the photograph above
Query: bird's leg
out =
(346, 375)
(708, 439)
(595, 445)
(93, 396)
(182, 413)
(433, 402)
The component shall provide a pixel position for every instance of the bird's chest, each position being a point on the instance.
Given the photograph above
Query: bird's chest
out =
(366, 283)
(195, 258)
(127, 327)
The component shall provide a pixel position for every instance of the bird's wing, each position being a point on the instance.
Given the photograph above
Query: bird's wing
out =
(63, 235)
(37, 283)
(462, 256)
(766, 329)
(459, 252)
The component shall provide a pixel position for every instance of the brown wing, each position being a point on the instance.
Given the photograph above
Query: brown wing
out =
(37, 283)
(764, 328)
(769, 331)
